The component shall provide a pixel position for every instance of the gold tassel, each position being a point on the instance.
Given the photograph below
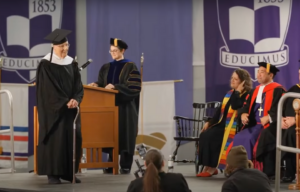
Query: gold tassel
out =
(115, 42)
(268, 67)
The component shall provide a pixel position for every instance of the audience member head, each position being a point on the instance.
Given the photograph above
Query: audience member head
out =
(238, 76)
(237, 158)
(266, 73)
(117, 48)
(154, 163)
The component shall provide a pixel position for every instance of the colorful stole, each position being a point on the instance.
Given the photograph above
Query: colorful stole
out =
(230, 129)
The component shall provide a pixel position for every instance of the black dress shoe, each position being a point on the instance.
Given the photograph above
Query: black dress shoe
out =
(70, 179)
(287, 179)
(53, 179)
(108, 170)
(125, 171)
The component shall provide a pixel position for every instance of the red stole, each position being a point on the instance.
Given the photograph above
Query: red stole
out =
(268, 90)
(268, 102)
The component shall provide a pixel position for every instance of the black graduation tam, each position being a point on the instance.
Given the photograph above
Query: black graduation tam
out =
(58, 36)
(118, 43)
(270, 68)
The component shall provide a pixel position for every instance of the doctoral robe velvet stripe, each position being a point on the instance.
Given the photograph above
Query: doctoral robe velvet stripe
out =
(125, 77)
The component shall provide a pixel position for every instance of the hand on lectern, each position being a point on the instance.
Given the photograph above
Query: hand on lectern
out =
(93, 84)
(109, 86)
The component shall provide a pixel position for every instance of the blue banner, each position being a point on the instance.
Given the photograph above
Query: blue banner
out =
(245, 32)
(162, 30)
(24, 25)
(168, 46)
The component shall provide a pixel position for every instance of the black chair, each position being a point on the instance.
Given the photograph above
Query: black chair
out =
(189, 129)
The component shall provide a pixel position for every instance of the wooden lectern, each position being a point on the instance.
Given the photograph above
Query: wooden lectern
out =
(99, 127)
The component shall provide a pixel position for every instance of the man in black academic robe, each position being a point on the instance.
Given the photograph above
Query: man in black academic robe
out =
(259, 111)
(289, 136)
(266, 144)
(122, 75)
(59, 91)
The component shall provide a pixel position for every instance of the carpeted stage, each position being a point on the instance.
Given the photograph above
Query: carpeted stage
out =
(96, 181)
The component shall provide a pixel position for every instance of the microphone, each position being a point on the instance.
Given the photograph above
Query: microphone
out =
(85, 65)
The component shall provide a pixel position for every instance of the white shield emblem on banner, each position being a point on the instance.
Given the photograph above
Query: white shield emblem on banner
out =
(20, 50)
(253, 31)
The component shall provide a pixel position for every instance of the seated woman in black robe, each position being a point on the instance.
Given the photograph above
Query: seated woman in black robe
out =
(220, 130)
(155, 179)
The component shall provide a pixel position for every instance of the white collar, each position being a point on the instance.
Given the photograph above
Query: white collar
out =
(57, 60)
(260, 92)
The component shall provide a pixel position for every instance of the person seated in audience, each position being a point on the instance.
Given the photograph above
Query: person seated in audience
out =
(259, 111)
(241, 175)
(289, 135)
(221, 129)
(155, 179)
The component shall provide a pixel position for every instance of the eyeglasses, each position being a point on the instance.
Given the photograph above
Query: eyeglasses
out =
(113, 51)
(62, 46)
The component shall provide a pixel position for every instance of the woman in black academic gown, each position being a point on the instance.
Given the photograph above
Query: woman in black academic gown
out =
(220, 130)
(122, 74)
(155, 179)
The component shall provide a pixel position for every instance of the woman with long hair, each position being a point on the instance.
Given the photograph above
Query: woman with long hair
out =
(155, 179)
(220, 130)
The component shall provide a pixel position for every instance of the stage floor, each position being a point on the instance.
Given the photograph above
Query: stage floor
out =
(95, 180)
